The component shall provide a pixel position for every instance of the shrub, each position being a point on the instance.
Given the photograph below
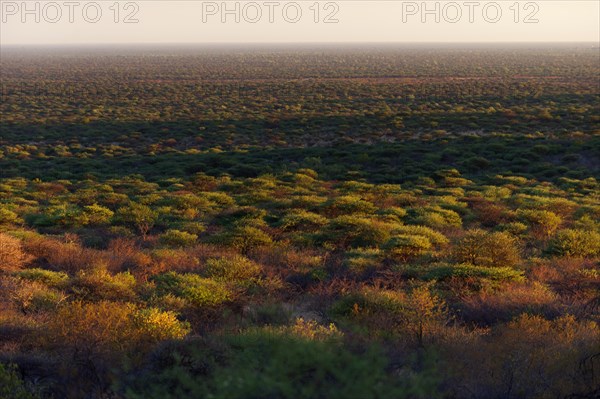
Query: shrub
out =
(406, 247)
(195, 228)
(12, 256)
(8, 217)
(361, 260)
(196, 290)
(139, 216)
(503, 305)
(434, 216)
(392, 213)
(479, 247)
(543, 223)
(424, 314)
(111, 327)
(96, 215)
(435, 237)
(12, 386)
(233, 269)
(155, 325)
(302, 219)
(178, 239)
(514, 228)
(443, 272)
(97, 283)
(30, 296)
(69, 257)
(575, 243)
(264, 363)
(354, 232)
(46, 277)
(243, 238)
(530, 350)
(348, 204)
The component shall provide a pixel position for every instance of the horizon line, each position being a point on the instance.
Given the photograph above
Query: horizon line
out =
(229, 43)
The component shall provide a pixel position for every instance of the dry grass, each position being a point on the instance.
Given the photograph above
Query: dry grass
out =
(12, 255)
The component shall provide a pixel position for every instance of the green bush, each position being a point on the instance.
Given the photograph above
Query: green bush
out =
(8, 217)
(444, 271)
(434, 216)
(178, 239)
(96, 215)
(575, 243)
(193, 288)
(97, 283)
(272, 364)
(348, 204)
(46, 277)
(354, 232)
(543, 223)
(363, 259)
(243, 238)
(299, 219)
(406, 247)
(435, 237)
(12, 386)
(232, 269)
(479, 247)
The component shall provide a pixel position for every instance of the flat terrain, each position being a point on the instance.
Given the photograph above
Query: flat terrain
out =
(305, 222)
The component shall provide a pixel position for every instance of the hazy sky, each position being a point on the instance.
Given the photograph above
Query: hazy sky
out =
(192, 21)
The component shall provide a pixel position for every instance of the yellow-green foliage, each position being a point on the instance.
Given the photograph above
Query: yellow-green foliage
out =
(196, 290)
(46, 277)
(111, 326)
(576, 243)
(234, 268)
(97, 283)
(479, 247)
(302, 220)
(405, 247)
(348, 204)
(362, 259)
(178, 239)
(434, 216)
(435, 237)
(543, 223)
(444, 271)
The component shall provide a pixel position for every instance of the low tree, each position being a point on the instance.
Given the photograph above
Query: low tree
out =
(406, 247)
(479, 247)
(140, 216)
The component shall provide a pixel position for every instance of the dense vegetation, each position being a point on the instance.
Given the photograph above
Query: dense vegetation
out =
(300, 223)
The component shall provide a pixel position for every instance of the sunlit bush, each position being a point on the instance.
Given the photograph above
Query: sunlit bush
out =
(543, 223)
(46, 277)
(178, 239)
(233, 269)
(193, 288)
(444, 271)
(12, 255)
(575, 243)
(243, 238)
(355, 232)
(97, 283)
(406, 247)
(111, 327)
(479, 247)
(302, 219)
